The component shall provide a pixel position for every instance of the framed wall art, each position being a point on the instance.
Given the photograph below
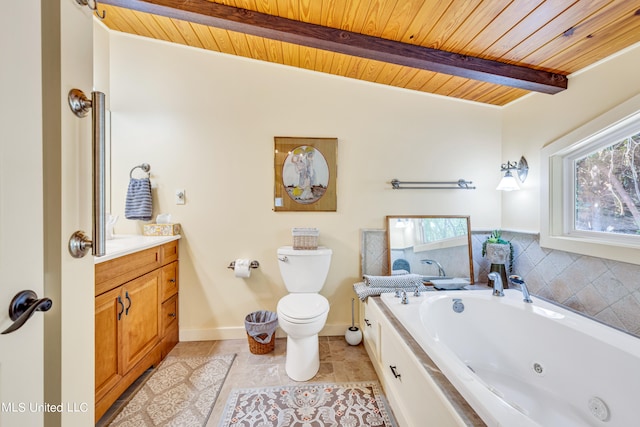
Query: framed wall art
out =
(305, 174)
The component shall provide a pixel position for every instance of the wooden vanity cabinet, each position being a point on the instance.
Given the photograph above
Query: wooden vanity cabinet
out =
(136, 318)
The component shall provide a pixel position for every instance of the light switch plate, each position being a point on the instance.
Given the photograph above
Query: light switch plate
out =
(180, 197)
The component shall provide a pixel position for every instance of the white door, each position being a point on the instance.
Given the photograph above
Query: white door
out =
(21, 243)
(46, 366)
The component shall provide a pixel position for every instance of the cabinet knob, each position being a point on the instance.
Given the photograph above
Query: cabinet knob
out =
(172, 315)
(367, 322)
(172, 280)
(394, 371)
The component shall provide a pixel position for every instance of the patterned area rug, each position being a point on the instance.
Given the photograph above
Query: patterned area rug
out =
(308, 405)
(180, 392)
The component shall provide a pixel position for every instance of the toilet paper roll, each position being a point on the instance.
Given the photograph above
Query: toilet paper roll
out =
(242, 268)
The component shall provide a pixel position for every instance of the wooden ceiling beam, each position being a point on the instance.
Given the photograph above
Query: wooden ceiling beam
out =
(316, 36)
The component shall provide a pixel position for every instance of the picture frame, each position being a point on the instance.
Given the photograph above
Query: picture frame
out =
(305, 172)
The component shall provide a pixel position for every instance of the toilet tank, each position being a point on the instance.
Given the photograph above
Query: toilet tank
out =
(304, 270)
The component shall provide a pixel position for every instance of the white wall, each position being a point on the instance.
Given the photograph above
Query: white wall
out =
(101, 68)
(205, 122)
(537, 120)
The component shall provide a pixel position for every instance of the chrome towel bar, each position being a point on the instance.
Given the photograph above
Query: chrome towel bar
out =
(460, 184)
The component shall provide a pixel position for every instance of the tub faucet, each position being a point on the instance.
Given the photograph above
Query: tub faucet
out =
(517, 280)
(498, 289)
(405, 299)
(433, 261)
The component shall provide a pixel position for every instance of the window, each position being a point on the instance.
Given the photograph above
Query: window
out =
(605, 187)
(436, 229)
(590, 187)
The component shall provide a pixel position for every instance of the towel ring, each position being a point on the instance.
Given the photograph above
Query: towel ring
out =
(145, 167)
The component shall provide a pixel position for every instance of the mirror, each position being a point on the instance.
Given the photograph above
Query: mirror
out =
(436, 247)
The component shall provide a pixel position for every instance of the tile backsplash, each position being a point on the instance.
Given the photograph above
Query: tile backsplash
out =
(606, 290)
(373, 252)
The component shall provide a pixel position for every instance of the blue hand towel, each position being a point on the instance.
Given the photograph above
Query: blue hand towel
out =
(138, 205)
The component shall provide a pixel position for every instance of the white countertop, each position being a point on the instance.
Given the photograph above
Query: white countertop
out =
(125, 244)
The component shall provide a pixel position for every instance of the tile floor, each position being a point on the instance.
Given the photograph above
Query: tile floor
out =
(339, 362)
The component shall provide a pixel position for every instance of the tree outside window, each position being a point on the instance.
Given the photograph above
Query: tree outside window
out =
(435, 229)
(607, 188)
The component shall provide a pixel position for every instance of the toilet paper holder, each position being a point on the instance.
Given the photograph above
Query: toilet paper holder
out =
(254, 264)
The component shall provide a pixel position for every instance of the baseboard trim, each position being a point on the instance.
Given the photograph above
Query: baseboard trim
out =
(237, 333)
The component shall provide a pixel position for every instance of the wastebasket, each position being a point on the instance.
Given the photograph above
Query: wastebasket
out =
(261, 331)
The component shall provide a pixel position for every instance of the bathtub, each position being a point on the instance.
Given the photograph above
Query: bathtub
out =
(519, 364)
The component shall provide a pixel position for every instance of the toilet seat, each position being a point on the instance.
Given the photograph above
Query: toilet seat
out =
(302, 308)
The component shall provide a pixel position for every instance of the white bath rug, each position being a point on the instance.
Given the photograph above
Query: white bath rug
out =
(180, 392)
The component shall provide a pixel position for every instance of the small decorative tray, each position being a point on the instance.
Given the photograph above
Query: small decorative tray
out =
(450, 284)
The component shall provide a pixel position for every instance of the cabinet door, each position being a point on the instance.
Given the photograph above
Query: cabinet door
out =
(169, 314)
(169, 330)
(170, 252)
(109, 307)
(413, 394)
(141, 321)
(169, 281)
(371, 328)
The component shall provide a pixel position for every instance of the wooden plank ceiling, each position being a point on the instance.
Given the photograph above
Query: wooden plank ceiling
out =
(483, 46)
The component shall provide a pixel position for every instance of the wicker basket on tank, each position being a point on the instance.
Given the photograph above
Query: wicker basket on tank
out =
(305, 238)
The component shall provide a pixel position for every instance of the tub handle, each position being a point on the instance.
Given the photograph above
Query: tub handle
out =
(394, 371)
(367, 322)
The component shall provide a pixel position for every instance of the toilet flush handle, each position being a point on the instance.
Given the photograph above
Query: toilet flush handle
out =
(283, 258)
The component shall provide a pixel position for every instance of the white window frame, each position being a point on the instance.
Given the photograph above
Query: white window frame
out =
(557, 186)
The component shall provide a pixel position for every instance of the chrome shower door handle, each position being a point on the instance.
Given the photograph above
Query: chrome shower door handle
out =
(79, 243)
(99, 224)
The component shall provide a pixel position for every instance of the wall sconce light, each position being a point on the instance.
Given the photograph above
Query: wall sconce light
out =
(508, 182)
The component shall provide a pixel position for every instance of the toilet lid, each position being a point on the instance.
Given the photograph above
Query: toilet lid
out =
(303, 306)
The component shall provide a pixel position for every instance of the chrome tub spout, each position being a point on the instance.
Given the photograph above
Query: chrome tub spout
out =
(433, 261)
(498, 288)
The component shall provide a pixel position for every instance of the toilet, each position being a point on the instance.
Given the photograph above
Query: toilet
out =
(303, 312)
